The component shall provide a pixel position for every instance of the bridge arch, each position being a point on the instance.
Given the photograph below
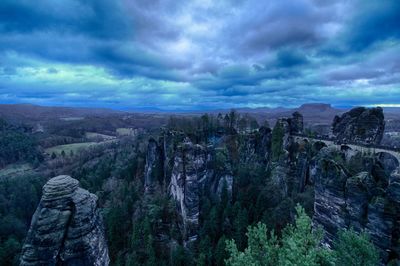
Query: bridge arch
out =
(345, 147)
(318, 145)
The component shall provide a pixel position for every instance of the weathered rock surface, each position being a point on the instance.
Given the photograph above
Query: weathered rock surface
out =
(360, 125)
(67, 228)
(368, 200)
(296, 123)
(153, 169)
(188, 172)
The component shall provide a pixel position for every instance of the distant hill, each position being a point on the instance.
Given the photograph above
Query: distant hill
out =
(313, 113)
(31, 113)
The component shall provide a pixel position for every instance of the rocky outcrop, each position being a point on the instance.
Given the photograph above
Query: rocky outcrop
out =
(67, 227)
(330, 201)
(359, 125)
(265, 143)
(296, 123)
(153, 173)
(367, 200)
(189, 172)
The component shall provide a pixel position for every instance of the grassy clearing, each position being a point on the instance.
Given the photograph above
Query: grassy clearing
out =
(67, 148)
(15, 169)
(97, 136)
(75, 147)
(125, 131)
(72, 118)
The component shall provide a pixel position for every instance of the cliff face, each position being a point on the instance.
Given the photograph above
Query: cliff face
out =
(290, 173)
(367, 200)
(360, 125)
(153, 168)
(66, 228)
(189, 171)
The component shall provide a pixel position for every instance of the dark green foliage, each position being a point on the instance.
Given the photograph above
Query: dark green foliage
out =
(8, 251)
(17, 145)
(19, 197)
(353, 249)
(299, 245)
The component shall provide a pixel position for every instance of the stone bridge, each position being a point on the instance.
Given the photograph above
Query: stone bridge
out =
(360, 148)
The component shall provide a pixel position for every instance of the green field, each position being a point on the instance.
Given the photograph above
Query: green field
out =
(96, 136)
(67, 148)
(126, 131)
(75, 147)
(72, 118)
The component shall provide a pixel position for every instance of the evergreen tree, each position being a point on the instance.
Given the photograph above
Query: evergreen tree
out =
(300, 246)
(352, 249)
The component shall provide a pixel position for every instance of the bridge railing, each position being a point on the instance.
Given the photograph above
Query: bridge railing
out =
(369, 146)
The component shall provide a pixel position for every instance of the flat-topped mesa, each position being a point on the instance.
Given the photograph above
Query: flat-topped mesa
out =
(360, 125)
(66, 228)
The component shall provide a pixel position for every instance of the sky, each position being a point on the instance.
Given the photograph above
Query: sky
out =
(200, 54)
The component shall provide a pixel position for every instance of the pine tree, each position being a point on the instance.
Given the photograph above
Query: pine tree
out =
(352, 249)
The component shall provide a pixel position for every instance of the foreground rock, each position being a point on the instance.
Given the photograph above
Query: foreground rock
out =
(360, 125)
(66, 228)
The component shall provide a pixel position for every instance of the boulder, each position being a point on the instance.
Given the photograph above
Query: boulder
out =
(360, 125)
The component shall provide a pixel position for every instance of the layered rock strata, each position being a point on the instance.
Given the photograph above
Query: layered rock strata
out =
(360, 125)
(66, 228)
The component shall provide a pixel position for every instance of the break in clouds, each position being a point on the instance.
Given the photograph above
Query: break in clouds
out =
(191, 55)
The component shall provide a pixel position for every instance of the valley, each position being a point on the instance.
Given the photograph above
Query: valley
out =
(175, 192)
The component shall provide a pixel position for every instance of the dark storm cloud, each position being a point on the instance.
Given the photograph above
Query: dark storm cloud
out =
(196, 54)
(290, 58)
(94, 32)
(97, 18)
(276, 24)
(375, 21)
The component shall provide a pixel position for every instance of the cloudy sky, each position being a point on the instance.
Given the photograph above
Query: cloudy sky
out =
(201, 54)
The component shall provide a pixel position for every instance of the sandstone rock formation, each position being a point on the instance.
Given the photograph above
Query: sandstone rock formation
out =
(296, 123)
(188, 172)
(67, 228)
(367, 200)
(153, 168)
(359, 125)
